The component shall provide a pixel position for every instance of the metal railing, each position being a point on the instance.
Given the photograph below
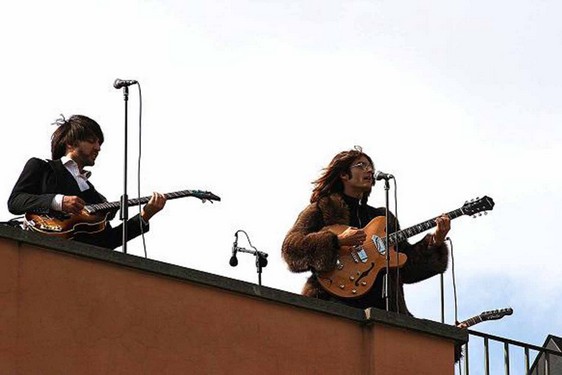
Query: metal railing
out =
(542, 357)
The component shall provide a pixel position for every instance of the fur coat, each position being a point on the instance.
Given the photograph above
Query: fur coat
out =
(309, 247)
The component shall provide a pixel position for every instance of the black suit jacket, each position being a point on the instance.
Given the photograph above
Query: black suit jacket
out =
(41, 180)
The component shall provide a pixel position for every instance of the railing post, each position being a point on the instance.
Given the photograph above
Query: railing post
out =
(486, 357)
(527, 361)
(466, 359)
(506, 357)
(543, 364)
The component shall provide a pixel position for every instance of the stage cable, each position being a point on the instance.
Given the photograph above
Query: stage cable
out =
(16, 222)
(455, 307)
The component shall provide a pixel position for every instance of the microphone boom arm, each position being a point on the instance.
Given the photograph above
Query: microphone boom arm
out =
(253, 252)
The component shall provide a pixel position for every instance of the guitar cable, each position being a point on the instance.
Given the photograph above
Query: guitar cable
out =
(16, 222)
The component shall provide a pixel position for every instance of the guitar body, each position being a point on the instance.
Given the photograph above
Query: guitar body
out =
(67, 226)
(357, 267)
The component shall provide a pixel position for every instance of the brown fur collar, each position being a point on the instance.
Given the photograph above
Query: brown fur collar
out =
(334, 209)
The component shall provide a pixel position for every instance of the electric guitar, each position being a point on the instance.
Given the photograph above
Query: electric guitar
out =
(94, 217)
(357, 267)
(486, 315)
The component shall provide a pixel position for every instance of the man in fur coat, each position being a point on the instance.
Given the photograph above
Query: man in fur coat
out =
(340, 197)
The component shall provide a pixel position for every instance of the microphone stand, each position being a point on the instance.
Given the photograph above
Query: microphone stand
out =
(442, 298)
(124, 215)
(387, 252)
(261, 260)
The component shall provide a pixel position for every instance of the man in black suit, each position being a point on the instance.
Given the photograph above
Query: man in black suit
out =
(62, 184)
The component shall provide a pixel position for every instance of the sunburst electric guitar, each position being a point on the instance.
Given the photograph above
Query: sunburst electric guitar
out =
(94, 217)
(357, 267)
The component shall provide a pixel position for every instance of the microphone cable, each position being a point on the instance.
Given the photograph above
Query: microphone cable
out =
(139, 171)
(396, 228)
(248, 238)
(454, 279)
(455, 304)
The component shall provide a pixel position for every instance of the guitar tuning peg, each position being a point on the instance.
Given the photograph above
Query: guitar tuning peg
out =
(485, 213)
(480, 214)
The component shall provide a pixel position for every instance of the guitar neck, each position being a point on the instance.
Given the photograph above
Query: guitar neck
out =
(472, 321)
(108, 206)
(404, 234)
(487, 315)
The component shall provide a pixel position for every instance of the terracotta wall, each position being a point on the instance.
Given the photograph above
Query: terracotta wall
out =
(67, 314)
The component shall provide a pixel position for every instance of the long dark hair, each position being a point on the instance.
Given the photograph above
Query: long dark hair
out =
(70, 132)
(330, 180)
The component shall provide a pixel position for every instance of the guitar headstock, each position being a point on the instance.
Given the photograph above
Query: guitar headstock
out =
(205, 196)
(496, 314)
(477, 206)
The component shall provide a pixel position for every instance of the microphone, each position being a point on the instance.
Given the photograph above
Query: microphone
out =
(233, 260)
(261, 259)
(383, 176)
(119, 83)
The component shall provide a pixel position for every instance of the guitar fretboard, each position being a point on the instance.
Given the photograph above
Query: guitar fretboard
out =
(404, 234)
(108, 206)
(488, 315)
(472, 321)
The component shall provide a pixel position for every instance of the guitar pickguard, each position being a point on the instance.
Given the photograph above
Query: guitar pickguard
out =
(379, 244)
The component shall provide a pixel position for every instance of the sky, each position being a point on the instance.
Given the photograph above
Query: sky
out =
(251, 99)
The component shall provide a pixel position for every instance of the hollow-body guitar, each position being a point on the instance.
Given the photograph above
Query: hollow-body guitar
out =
(357, 267)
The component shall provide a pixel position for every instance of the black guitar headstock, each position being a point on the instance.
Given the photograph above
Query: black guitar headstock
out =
(477, 206)
(205, 195)
(496, 314)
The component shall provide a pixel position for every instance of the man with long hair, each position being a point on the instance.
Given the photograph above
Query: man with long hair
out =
(62, 184)
(340, 197)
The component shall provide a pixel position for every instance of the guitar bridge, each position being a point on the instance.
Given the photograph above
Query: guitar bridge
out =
(51, 227)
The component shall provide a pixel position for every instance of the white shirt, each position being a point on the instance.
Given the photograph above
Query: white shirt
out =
(81, 179)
